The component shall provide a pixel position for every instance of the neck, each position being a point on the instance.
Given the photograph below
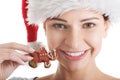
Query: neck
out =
(90, 72)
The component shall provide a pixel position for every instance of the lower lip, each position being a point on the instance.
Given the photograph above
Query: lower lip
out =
(74, 58)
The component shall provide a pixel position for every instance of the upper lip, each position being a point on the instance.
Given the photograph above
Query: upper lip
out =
(73, 51)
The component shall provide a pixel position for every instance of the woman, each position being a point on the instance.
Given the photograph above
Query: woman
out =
(75, 28)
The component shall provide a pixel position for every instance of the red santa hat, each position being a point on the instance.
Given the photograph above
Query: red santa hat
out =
(37, 11)
(32, 28)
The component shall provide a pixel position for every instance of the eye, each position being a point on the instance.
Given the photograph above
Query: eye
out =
(60, 26)
(89, 25)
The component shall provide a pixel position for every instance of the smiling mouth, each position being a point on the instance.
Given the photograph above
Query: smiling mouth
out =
(76, 55)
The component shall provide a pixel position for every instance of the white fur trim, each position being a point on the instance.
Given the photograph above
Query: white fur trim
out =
(36, 45)
(40, 10)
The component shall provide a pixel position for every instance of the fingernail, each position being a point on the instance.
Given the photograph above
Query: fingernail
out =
(29, 58)
(31, 49)
(22, 63)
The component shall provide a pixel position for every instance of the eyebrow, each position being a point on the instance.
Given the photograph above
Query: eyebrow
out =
(91, 18)
(58, 19)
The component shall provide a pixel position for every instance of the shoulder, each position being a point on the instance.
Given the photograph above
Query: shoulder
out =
(49, 77)
(108, 77)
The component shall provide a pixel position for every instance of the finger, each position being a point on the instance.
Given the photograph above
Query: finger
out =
(17, 46)
(26, 58)
(9, 54)
(17, 59)
(4, 55)
(20, 57)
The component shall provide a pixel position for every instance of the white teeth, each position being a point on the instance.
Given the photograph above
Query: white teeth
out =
(75, 54)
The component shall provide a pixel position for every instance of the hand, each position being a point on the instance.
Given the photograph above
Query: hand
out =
(10, 58)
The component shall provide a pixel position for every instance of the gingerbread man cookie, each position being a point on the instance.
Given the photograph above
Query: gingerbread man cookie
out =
(43, 56)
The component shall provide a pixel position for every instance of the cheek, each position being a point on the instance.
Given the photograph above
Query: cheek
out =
(54, 39)
(95, 41)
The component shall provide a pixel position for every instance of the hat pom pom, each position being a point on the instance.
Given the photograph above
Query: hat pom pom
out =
(36, 45)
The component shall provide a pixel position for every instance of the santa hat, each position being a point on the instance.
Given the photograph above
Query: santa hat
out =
(31, 29)
(37, 11)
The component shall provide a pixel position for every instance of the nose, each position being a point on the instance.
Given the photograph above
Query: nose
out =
(74, 39)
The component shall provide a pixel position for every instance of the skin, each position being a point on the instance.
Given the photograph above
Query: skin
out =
(11, 58)
(77, 31)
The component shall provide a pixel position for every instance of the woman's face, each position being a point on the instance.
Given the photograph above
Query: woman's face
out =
(77, 35)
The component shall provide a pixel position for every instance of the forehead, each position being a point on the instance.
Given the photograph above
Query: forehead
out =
(80, 13)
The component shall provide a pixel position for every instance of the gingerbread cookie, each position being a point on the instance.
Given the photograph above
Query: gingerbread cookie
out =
(42, 56)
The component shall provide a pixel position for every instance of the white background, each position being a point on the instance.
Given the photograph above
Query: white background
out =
(12, 29)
